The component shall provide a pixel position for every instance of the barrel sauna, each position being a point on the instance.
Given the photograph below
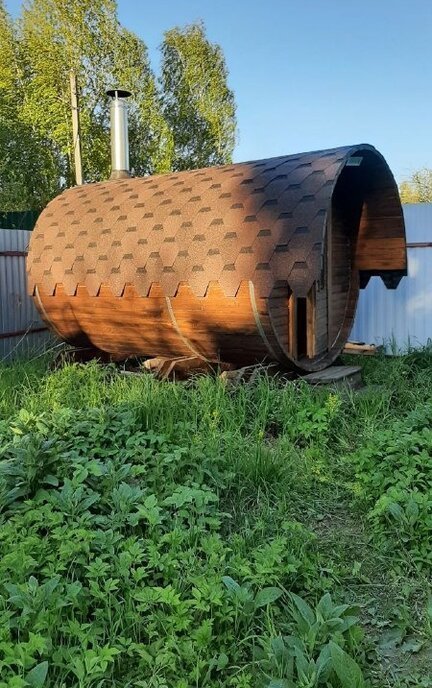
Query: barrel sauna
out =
(243, 263)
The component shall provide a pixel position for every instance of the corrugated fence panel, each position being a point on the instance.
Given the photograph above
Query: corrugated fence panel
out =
(21, 330)
(402, 318)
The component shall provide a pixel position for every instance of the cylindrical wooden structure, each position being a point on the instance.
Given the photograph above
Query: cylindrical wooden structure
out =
(259, 261)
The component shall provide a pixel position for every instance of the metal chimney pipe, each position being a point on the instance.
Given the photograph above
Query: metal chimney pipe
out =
(119, 133)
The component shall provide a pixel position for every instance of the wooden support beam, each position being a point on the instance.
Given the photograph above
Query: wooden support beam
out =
(76, 132)
(311, 315)
(292, 326)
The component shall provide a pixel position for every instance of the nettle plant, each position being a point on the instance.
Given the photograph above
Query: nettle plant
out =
(319, 647)
(394, 474)
(116, 543)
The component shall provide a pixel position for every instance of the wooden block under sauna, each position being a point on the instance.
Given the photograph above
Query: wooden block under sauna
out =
(337, 376)
(360, 348)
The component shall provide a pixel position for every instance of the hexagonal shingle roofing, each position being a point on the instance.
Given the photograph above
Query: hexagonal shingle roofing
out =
(261, 221)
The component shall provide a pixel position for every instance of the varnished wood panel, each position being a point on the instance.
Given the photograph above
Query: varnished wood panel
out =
(311, 323)
(381, 244)
(320, 319)
(215, 327)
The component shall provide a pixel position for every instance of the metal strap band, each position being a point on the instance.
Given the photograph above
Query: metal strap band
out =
(283, 355)
(185, 341)
(259, 323)
(45, 315)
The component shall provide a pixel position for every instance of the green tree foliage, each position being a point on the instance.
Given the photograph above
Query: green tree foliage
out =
(418, 189)
(85, 35)
(8, 61)
(28, 167)
(184, 120)
(198, 105)
(151, 142)
(27, 164)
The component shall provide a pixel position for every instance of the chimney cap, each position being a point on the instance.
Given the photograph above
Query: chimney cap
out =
(118, 93)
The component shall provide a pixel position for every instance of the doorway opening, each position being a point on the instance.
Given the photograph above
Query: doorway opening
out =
(302, 327)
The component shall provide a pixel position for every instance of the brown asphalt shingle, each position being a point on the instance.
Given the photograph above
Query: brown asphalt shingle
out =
(261, 221)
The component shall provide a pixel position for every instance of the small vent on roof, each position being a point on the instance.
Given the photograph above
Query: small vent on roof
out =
(354, 161)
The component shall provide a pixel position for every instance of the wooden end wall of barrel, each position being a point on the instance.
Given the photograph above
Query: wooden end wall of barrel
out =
(244, 263)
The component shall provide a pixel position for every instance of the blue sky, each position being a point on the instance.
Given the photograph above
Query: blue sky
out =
(311, 74)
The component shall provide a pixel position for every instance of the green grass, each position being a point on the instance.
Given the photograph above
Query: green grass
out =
(189, 535)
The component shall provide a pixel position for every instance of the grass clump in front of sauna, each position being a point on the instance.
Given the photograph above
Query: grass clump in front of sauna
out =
(156, 534)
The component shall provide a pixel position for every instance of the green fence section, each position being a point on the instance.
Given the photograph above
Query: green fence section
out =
(19, 220)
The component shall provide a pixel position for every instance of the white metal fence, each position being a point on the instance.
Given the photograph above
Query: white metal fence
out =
(401, 319)
(21, 330)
